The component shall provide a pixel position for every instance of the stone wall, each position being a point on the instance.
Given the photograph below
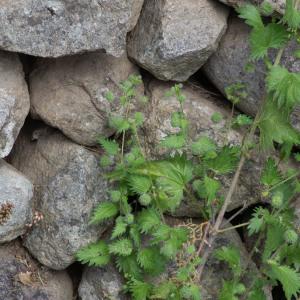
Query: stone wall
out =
(58, 59)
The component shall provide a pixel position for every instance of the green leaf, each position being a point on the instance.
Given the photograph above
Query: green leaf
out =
(104, 211)
(211, 186)
(217, 117)
(287, 276)
(105, 161)
(151, 261)
(264, 38)
(109, 96)
(274, 239)
(122, 247)
(257, 221)
(178, 120)
(284, 85)
(140, 290)
(120, 228)
(291, 15)
(275, 126)
(191, 292)
(148, 219)
(110, 147)
(226, 160)
(119, 123)
(230, 255)
(231, 290)
(173, 141)
(251, 15)
(129, 265)
(139, 119)
(139, 184)
(266, 8)
(163, 290)
(270, 174)
(96, 254)
(242, 120)
(203, 145)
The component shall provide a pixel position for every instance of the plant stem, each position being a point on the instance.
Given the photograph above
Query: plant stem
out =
(233, 227)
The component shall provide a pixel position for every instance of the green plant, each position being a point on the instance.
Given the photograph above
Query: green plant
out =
(143, 243)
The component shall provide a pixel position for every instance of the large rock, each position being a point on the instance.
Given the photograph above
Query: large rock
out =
(14, 100)
(69, 93)
(69, 184)
(101, 283)
(16, 193)
(21, 278)
(199, 108)
(278, 5)
(227, 66)
(52, 28)
(174, 38)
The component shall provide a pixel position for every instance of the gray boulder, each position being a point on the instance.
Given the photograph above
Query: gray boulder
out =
(69, 93)
(55, 28)
(22, 278)
(69, 184)
(278, 5)
(101, 283)
(16, 193)
(173, 38)
(14, 100)
(199, 108)
(227, 66)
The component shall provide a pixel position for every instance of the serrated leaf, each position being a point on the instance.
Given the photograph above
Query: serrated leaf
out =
(257, 221)
(104, 211)
(270, 174)
(148, 219)
(287, 276)
(203, 145)
(272, 36)
(120, 228)
(110, 147)
(139, 184)
(284, 85)
(119, 123)
(190, 292)
(122, 247)
(230, 255)
(129, 265)
(225, 161)
(96, 254)
(275, 126)
(251, 15)
(173, 141)
(140, 290)
(231, 290)
(291, 15)
(211, 186)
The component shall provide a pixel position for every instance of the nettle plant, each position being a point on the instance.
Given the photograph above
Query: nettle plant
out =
(144, 244)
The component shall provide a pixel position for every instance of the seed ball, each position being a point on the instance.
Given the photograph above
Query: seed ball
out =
(145, 199)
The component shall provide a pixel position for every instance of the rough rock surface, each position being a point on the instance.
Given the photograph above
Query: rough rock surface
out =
(69, 93)
(174, 38)
(101, 284)
(14, 100)
(69, 184)
(278, 5)
(52, 28)
(199, 107)
(16, 193)
(21, 278)
(227, 66)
